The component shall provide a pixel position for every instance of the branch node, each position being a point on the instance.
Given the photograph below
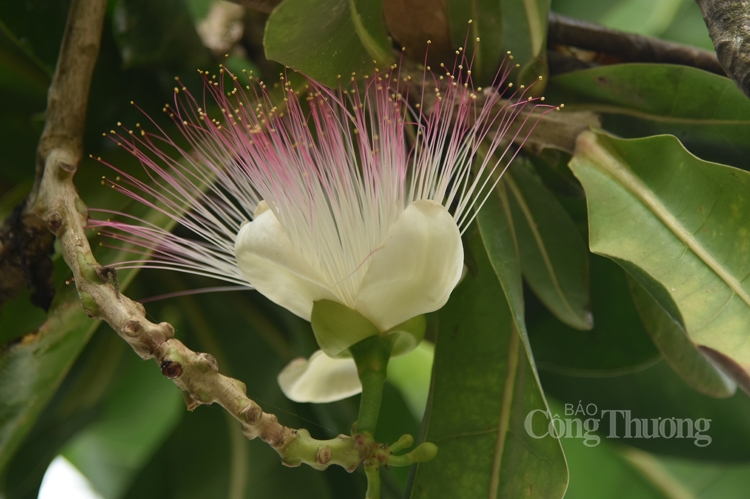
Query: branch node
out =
(132, 328)
(105, 273)
(324, 455)
(252, 413)
(54, 222)
(166, 326)
(66, 170)
(189, 401)
(171, 369)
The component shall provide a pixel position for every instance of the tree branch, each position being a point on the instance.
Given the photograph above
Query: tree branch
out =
(728, 23)
(55, 200)
(628, 46)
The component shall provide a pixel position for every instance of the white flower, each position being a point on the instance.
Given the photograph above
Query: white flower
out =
(326, 204)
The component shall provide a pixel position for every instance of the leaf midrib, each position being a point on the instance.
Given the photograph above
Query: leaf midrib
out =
(540, 244)
(615, 170)
(504, 420)
(614, 109)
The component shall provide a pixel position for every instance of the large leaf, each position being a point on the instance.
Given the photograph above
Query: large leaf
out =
(96, 377)
(506, 25)
(328, 39)
(33, 368)
(676, 348)
(618, 342)
(681, 227)
(705, 111)
(155, 34)
(482, 388)
(136, 419)
(487, 25)
(553, 256)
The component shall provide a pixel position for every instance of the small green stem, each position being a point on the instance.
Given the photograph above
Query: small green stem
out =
(371, 356)
(373, 482)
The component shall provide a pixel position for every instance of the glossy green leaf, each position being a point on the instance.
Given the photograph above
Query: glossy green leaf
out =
(618, 342)
(33, 368)
(157, 34)
(495, 223)
(653, 393)
(136, 419)
(486, 24)
(553, 256)
(676, 348)
(482, 388)
(504, 25)
(705, 111)
(77, 402)
(525, 35)
(681, 227)
(326, 39)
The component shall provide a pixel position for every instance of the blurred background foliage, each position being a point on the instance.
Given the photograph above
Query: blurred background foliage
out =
(572, 333)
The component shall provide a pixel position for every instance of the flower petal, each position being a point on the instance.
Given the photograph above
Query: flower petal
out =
(320, 379)
(420, 263)
(267, 259)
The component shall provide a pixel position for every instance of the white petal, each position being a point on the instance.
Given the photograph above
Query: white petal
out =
(417, 268)
(267, 259)
(320, 379)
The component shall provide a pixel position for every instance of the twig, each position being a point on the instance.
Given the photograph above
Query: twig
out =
(628, 46)
(728, 24)
(56, 201)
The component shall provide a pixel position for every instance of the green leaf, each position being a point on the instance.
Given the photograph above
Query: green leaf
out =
(618, 342)
(75, 404)
(326, 39)
(553, 256)
(486, 24)
(525, 35)
(676, 348)
(482, 388)
(33, 368)
(495, 224)
(505, 25)
(157, 34)
(681, 227)
(136, 420)
(705, 111)
(653, 393)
